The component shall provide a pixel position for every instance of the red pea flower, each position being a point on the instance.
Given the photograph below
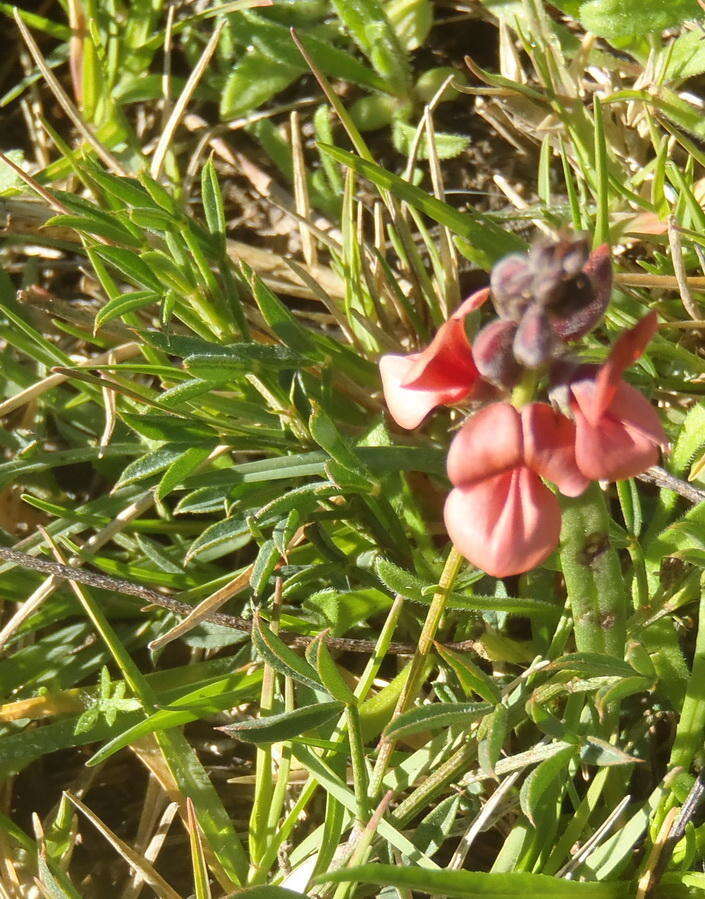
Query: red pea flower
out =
(443, 373)
(618, 432)
(500, 515)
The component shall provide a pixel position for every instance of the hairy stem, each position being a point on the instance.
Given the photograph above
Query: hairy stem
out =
(593, 577)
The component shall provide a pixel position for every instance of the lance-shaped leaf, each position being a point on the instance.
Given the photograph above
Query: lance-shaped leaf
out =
(285, 726)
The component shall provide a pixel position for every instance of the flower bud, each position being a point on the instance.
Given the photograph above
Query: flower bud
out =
(494, 355)
(534, 341)
(583, 304)
(510, 283)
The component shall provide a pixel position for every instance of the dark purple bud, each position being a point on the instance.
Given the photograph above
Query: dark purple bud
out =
(534, 341)
(554, 264)
(510, 284)
(585, 298)
(493, 353)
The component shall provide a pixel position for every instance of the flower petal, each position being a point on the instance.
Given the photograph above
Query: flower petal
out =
(473, 302)
(408, 407)
(624, 353)
(632, 408)
(488, 443)
(447, 362)
(612, 450)
(505, 524)
(549, 448)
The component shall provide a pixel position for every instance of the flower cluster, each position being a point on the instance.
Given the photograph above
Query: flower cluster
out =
(500, 514)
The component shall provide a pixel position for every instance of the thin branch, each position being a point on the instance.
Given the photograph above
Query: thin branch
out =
(129, 588)
(662, 478)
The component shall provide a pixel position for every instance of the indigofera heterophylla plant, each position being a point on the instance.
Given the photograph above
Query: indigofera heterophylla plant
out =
(500, 514)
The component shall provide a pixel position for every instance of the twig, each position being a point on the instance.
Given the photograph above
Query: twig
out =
(129, 588)
(165, 601)
(662, 478)
(654, 475)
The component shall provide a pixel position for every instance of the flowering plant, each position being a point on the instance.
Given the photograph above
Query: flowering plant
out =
(500, 514)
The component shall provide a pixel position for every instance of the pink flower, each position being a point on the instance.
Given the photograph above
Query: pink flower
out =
(443, 373)
(500, 515)
(618, 432)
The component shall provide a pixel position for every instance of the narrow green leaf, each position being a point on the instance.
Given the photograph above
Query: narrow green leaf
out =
(282, 727)
(438, 714)
(121, 305)
(180, 468)
(267, 558)
(542, 779)
(277, 654)
(130, 265)
(475, 884)
(212, 199)
(470, 675)
(330, 676)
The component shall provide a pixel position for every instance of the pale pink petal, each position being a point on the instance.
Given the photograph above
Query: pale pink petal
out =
(505, 524)
(488, 443)
(408, 407)
(549, 447)
(634, 410)
(611, 451)
(628, 348)
(583, 393)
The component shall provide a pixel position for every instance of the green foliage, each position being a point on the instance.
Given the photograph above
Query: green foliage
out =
(628, 20)
(204, 418)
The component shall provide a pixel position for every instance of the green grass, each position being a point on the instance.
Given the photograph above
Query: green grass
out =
(208, 423)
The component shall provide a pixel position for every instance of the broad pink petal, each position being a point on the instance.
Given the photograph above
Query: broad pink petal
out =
(549, 447)
(408, 407)
(611, 451)
(447, 363)
(625, 352)
(505, 524)
(488, 443)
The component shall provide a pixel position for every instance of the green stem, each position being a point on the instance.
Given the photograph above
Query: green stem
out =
(593, 577)
(411, 688)
(357, 755)
(691, 726)
(363, 687)
(524, 392)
